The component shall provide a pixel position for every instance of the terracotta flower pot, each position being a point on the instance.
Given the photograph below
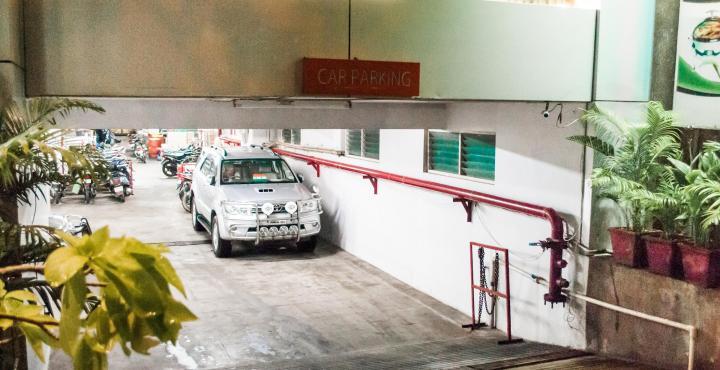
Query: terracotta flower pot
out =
(701, 266)
(662, 256)
(628, 247)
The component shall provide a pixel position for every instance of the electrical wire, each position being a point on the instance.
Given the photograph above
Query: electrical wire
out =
(525, 257)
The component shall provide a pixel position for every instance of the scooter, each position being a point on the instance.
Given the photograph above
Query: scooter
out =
(119, 182)
(140, 151)
(70, 224)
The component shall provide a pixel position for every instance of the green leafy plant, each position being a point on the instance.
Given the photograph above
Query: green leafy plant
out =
(632, 168)
(701, 194)
(27, 160)
(111, 291)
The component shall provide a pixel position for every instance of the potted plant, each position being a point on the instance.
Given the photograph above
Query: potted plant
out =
(630, 160)
(665, 206)
(699, 251)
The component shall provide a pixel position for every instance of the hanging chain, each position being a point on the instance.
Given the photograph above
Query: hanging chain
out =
(482, 299)
(494, 283)
(483, 296)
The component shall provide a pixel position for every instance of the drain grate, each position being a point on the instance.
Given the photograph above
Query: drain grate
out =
(448, 354)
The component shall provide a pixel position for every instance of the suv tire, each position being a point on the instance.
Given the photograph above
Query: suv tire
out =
(307, 245)
(221, 247)
(194, 216)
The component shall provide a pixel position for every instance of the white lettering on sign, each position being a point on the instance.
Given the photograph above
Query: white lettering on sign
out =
(363, 77)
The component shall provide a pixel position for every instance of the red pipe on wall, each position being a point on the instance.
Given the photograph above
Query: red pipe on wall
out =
(555, 243)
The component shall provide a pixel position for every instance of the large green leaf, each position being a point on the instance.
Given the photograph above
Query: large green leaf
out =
(62, 264)
(73, 299)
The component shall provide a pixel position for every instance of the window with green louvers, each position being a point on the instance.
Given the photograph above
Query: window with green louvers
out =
(291, 136)
(363, 143)
(354, 142)
(444, 147)
(477, 158)
(464, 154)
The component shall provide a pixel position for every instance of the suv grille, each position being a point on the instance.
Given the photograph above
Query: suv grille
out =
(278, 208)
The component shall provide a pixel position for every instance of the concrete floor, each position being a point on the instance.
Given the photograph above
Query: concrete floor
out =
(276, 308)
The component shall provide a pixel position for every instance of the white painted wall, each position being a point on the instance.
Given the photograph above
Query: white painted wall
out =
(421, 237)
(36, 213)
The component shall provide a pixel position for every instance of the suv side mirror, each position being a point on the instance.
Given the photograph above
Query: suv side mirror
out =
(212, 180)
(301, 178)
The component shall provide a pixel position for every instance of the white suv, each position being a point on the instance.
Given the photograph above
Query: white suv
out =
(250, 194)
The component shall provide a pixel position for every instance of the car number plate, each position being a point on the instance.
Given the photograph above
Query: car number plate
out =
(88, 181)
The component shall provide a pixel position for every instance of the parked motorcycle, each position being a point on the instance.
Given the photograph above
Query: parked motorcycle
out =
(139, 148)
(185, 171)
(70, 224)
(89, 188)
(119, 181)
(172, 159)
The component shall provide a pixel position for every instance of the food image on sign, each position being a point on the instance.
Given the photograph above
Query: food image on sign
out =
(698, 69)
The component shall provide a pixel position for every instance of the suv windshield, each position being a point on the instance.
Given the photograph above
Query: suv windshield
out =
(255, 171)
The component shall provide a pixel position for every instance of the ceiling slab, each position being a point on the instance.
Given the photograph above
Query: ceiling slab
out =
(203, 113)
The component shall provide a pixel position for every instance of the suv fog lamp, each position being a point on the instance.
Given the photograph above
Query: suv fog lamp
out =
(293, 229)
(263, 231)
(291, 207)
(283, 230)
(273, 231)
(267, 208)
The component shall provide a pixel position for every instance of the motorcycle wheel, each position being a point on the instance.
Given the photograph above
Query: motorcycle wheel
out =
(187, 202)
(126, 191)
(86, 194)
(169, 168)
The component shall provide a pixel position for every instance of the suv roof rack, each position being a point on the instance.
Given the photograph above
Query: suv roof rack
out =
(217, 148)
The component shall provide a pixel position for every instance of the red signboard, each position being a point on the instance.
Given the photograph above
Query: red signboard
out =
(352, 77)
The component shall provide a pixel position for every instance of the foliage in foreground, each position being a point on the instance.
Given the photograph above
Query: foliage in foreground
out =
(110, 291)
(126, 282)
(27, 159)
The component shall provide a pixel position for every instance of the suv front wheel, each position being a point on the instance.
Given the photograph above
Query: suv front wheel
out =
(194, 214)
(221, 247)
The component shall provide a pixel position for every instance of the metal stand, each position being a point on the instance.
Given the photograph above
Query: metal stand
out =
(493, 292)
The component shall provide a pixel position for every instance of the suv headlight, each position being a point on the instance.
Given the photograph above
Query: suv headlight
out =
(237, 209)
(308, 205)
